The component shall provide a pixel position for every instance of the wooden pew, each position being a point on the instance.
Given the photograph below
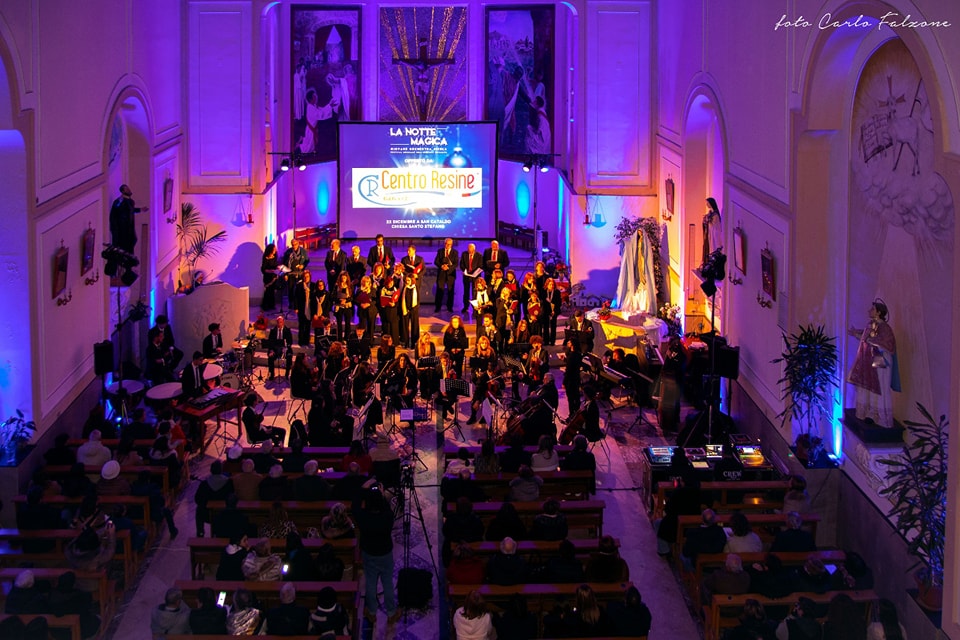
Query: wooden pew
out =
(304, 514)
(205, 552)
(541, 598)
(724, 610)
(759, 522)
(265, 637)
(13, 554)
(69, 622)
(721, 492)
(95, 582)
(110, 443)
(138, 507)
(556, 484)
(451, 450)
(581, 514)
(268, 593)
(708, 562)
(326, 457)
(129, 472)
(544, 548)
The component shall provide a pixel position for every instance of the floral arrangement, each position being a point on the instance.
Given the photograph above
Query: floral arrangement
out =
(672, 315)
(604, 313)
(627, 227)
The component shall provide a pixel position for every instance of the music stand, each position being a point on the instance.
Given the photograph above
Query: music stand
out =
(641, 418)
(455, 388)
(414, 415)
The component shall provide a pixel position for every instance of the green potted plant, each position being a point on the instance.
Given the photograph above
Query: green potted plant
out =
(809, 372)
(917, 486)
(15, 433)
(195, 242)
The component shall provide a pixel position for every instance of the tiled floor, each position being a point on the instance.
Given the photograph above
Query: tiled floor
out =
(618, 479)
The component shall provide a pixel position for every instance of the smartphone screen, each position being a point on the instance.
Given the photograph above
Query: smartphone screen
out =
(222, 599)
(285, 568)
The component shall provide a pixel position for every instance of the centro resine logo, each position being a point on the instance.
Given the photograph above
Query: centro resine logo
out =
(417, 187)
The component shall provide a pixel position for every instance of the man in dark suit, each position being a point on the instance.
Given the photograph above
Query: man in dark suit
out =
(334, 263)
(446, 263)
(296, 259)
(356, 267)
(380, 252)
(495, 258)
(584, 329)
(470, 262)
(213, 343)
(157, 368)
(708, 538)
(412, 264)
(122, 229)
(280, 344)
(192, 377)
(167, 342)
(305, 302)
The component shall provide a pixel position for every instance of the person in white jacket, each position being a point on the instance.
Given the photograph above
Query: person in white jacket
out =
(472, 621)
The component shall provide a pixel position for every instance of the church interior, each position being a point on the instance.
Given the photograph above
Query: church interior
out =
(726, 228)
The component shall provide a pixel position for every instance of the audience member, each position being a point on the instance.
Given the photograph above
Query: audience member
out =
(515, 456)
(526, 486)
(76, 483)
(60, 454)
(299, 562)
(742, 539)
(487, 461)
(288, 618)
(506, 567)
(845, 620)
(208, 618)
(67, 599)
(463, 461)
(461, 525)
(244, 618)
(349, 487)
(565, 567)
(27, 595)
(793, 538)
(293, 462)
(232, 557)
(516, 622)
(506, 524)
(145, 486)
(375, 523)
(801, 623)
(465, 567)
(111, 483)
(579, 459)
(770, 579)
(853, 573)
(337, 524)
(463, 485)
(586, 619)
(329, 619)
(172, 617)
(472, 621)
(278, 523)
(92, 452)
(887, 625)
(231, 522)
(246, 484)
(274, 486)
(92, 549)
(709, 537)
(630, 617)
(551, 524)
(310, 487)
(261, 565)
(329, 566)
(263, 458)
(545, 458)
(731, 579)
(797, 499)
(685, 500)
(126, 454)
(754, 624)
(217, 486)
(605, 564)
(812, 576)
(357, 453)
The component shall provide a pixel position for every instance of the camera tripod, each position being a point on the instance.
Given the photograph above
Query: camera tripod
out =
(407, 500)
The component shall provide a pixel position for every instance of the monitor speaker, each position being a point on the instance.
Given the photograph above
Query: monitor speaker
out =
(728, 361)
(103, 358)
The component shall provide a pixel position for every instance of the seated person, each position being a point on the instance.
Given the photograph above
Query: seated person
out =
(253, 424)
(551, 524)
(506, 567)
(793, 538)
(731, 579)
(605, 564)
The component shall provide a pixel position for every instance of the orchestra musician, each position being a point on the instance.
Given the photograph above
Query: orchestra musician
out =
(495, 286)
(527, 288)
(191, 378)
(533, 315)
(343, 304)
(591, 414)
(303, 378)
(482, 303)
(279, 344)
(455, 343)
(584, 329)
(446, 371)
(213, 342)
(486, 360)
(386, 352)
(446, 264)
(489, 331)
(520, 333)
(335, 361)
(271, 277)
(389, 299)
(158, 368)
(510, 282)
(380, 253)
(537, 362)
(671, 377)
(502, 318)
(471, 266)
(495, 258)
(366, 307)
(335, 262)
(402, 383)
(573, 359)
(629, 365)
(253, 424)
(410, 311)
(551, 301)
(296, 260)
(429, 375)
(413, 264)
(168, 345)
(321, 318)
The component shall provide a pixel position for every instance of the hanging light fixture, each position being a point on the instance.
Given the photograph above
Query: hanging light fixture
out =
(285, 164)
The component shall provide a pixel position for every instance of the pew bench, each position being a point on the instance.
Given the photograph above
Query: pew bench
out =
(759, 523)
(304, 514)
(205, 552)
(138, 508)
(96, 583)
(582, 515)
(12, 553)
(722, 490)
(69, 622)
(130, 473)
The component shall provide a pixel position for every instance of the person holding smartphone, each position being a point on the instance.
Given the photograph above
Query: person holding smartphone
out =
(375, 523)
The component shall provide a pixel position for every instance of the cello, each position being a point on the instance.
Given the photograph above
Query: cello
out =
(573, 426)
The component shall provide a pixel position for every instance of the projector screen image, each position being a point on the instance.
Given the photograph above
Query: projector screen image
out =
(418, 180)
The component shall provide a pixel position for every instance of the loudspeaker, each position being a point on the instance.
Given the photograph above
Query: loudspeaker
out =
(103, 357)
(414, 588)
(728, 362)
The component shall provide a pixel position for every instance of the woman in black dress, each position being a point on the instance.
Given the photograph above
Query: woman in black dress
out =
(271, 279)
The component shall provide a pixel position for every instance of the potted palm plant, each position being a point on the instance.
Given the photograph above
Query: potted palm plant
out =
(15, 434)
(917, 486)
(809, 372)
(195, 242)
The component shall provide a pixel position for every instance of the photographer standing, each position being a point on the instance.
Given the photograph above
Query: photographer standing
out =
(375, 524)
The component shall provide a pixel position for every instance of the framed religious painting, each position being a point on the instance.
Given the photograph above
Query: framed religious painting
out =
(60, 264)
(668, 195)
(739, 255)
(167, 195)
(423, 64)
(89, 247)
(520, 79)
(768, 275)
(325, 46)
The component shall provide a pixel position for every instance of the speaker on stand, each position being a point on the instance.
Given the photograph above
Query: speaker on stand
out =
(102, 365)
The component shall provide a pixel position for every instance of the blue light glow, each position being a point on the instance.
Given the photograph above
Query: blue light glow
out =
(323, 198)
(523, 200)
(837, 426)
